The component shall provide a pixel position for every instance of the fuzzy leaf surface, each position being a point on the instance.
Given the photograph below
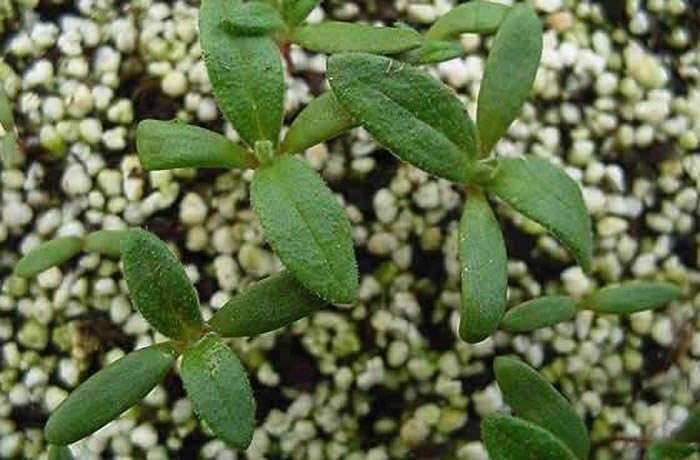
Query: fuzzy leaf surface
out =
(533, 398)
(295, 11)
(306, 227)
(245, 72)
(538, 313)
(478, 17)
(509, 73)
(105, 242)
(482, 255)
(547, 195)
(511, 438)
(432, 52)
(219, 389)
(631, 297)
(340, 37)
(266, 305)
(172, 144)
(108, 393)
(159, 287)
(253, 18)
(412, 114)
(321, 120)
(47, 255)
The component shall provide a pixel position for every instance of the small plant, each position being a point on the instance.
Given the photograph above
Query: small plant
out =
(213, 376)
(546, 426)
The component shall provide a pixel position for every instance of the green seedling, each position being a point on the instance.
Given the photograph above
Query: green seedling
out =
(212, 374)
(546, 426)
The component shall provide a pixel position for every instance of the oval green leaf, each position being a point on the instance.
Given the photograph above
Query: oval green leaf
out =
(482, 254)
(265, 306)
(509, 73)
(433, 51)
(412, 114)
(533, 398)
(253, 18)
(631, 297)
(341, 37)
(547, 195)
(47, 255)
(538, 313)
(105, 242)
(159, 287)
(511, 438)
(295, 11)
(306, 227)
(172, 144)
(478, 17)
(322, 119)
(245, 72)
(108, 393)
(60, 453)
(219, 389)
(689, 431)
(672, 450)
(9, 150)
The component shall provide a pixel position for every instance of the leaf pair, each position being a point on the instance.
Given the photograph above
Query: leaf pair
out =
(547, 426)
(60, 250)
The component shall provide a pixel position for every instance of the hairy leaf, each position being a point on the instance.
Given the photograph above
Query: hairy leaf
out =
(306, 227)
(219, 389)
(538, 313)
(689, 431)
(60, 453)
(246, 73)
(482, 254)
(511, 438)
(412, 114)
(340, 37)
(533, 398)
(631, 297)
(265, 306)
(47, 255)
(477, 17)
(108, 393)
(172, 144)
(105, 242)
(159, 287)
(545, 194)
(432, 51)
(253, 18)
(321, 120)
(509, 73)
(672, 450)
(295, 11)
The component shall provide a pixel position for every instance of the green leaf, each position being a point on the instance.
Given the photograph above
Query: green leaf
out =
(547, 195)
(159, 287)
(10, 153)
(533, 398)
(538, 313)
(47, 255)
(341, 37)
(253, 18)
(108, 393)
(7, 118)
(105, 242)
(265, 306)
(246, 73)
(412, 114)
(306, 227)
(322, 119)
(60, 453)
(671, 450)
(477, 17)
(482, 254)
(219, 389)
(295, 11)
(172, 144)
(509, 73)
(433, 51)
(690, 429)
(510, 438)
(631, 297)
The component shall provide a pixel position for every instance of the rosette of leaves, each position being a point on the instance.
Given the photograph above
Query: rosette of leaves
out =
(213, 376)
